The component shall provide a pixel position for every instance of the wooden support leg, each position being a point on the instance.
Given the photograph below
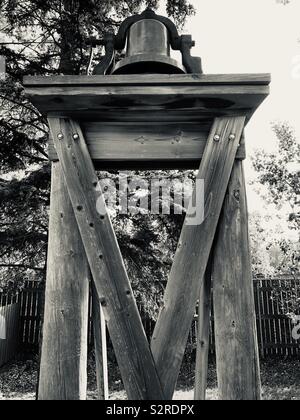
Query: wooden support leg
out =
(109, 274)
(64, 348)
(99, 326)
(192, 255)
(234, 311)
(203, 337)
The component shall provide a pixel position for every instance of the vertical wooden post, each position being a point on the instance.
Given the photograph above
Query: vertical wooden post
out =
(234, 311)
(99, 326)
(64, 349)
(193, 252)
(203, 336)
(113, 287)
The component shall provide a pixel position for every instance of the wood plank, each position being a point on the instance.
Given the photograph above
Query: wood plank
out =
(192, 255)
(235, 321)
(203, 336)
(197, 115)
(182, 144)
(64, 349)
(9, 344)
(109, 274)
(85, 100)
(105, 98)
(99, 326)
(146, 95)
(259, 316)
(255, 79)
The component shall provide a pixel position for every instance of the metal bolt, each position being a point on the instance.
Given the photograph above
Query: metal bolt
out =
(232, 137)
(60, 136)
(75, 136)
(103, 301)
(237, 195)
(217, 138)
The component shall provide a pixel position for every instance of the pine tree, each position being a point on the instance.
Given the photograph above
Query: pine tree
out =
(43, 37)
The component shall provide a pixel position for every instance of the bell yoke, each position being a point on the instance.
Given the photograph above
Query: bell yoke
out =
(148, 39)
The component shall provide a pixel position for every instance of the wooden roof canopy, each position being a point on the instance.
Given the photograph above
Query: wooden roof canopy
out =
(148, 120)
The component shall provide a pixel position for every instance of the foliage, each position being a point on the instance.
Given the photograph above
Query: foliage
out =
(279, 175)
(51, 37)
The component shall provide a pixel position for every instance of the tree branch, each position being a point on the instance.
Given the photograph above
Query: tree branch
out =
(26, 267)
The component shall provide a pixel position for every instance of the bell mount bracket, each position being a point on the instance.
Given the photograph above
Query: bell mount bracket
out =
(113, 43)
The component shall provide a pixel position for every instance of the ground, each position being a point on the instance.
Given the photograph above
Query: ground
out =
(280, 379)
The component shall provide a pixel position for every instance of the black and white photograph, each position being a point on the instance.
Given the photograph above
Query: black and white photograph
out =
(149, 203)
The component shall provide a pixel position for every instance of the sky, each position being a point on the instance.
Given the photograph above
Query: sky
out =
(253, 36)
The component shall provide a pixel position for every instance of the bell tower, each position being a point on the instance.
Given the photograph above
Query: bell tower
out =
(148, 111)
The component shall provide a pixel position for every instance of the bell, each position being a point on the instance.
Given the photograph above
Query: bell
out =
(148, 50)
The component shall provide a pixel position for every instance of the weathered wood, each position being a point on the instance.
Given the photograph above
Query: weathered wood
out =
(9, 332)
(113, 287)
(192, 255)
(203, 343)
(235, 323)
(144, 98)
(181, 144)
(64, 349)
(144, 79)
(99, 327)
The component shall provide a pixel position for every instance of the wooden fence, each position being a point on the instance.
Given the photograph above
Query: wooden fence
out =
(9, 328)
(274, 326)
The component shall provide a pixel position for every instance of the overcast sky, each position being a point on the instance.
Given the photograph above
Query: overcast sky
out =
(254, 36)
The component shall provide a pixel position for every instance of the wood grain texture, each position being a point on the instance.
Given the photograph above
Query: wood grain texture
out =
(9, 332)
(99, 328)
(64, 349)
(234, 311)
(203, 342)
(255, 79)
(148, 98)
(109, 275)
(192, 255)
(121, 143)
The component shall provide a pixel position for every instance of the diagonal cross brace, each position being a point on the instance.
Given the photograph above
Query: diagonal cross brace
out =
(169, 340)
(109, 274)
(192, 255)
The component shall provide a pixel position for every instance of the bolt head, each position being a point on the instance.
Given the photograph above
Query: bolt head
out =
(217, 138)
(60, 136)
(232, 137)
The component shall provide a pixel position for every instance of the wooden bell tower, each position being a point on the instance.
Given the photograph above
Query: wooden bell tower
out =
(159, 121)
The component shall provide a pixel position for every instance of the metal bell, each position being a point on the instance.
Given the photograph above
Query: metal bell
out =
(148, 39)
(148, 50)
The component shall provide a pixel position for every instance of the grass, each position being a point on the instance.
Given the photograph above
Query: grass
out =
(280, 380)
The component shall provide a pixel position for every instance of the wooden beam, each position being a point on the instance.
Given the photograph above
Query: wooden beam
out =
(234, 311)
(99, 328)
(143, 79)
(64, 349)
(142, 98)
(182, 144)
(203, 344)
(192, 255)
(112, 284)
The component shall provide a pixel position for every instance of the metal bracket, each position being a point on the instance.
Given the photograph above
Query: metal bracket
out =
(107, 61)
(113, 43)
